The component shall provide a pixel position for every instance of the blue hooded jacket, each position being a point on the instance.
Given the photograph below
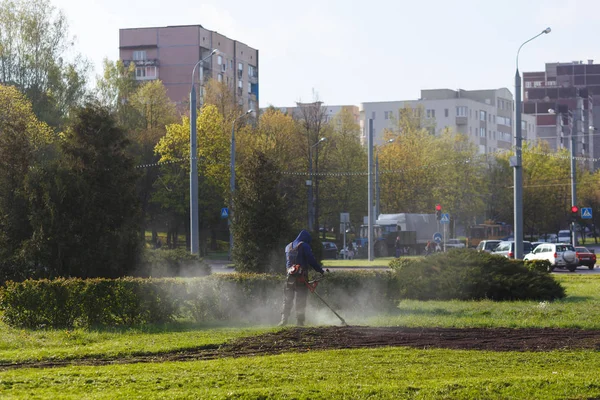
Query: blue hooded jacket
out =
(305, 255)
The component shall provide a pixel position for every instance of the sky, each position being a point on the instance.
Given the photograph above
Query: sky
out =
(348, 52)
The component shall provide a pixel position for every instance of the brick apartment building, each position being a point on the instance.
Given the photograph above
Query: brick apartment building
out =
(170, 53)
(564, 88)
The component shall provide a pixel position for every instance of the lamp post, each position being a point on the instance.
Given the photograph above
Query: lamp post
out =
(194, 227)
(516, 162)
(309, 182)
(377, 183)
(232, 181)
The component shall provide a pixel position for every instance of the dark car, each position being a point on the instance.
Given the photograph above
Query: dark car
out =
(330, 250)
(586, 257)
(507, 249)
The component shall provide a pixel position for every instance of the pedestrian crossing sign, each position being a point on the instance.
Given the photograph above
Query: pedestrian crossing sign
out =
(445, 219)
(586, 212)
(224, 212)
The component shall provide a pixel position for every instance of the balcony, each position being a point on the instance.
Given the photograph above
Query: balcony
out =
(253, 78)
(142, 63)
(461, 120)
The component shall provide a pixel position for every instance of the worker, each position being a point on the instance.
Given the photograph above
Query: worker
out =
(299, 257)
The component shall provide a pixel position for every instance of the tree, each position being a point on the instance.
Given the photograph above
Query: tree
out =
(220, 95)
(344, 188)
(313, 123)
(261, 228)
(155, 111)
(25, 143)
(84, 208)
(34, 45)
(114, 89)
(213, 165)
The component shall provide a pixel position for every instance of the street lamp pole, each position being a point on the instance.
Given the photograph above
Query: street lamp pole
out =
(194, 226)
(517, 161)
(232, 182)
(311, 216)
(377, 183)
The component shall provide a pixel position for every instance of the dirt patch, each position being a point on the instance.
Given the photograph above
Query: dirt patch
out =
(297, 339)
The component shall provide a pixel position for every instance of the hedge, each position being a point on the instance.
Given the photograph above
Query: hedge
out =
(255, 298)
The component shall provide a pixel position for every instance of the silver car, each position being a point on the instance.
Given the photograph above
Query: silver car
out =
(507, 248)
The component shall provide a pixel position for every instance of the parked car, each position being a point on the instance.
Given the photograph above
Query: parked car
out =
(455, 244)
(488, 245)
(330, 250)
(536, 244)
(586, 257)
(564, 236)
(507, 248)
(548, 238)
(559, 255)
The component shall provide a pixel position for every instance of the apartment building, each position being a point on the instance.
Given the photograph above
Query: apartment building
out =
(329, 112)
(565, 99)
(485, 116)
(170, 53)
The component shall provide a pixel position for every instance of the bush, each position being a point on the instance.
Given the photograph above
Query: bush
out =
(538, 265)
(402, 262)
(160, 263)
(254, 298)
(464, 274)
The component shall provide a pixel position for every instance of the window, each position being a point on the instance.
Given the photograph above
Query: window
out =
(537, 84)
(220, 78)
(240, 66)
(139, 55)
(240, 84)
(482, 115)
(231, 64)
(373, 115)
(430, 113)
(249, 87)
(224, 67)
(481, 132)
(142, 73)
(387, 115)
(527, 84)
(489, 117)
(461, 111)
(446, 112)
(251, 71)
(220, 60)
(251, 105)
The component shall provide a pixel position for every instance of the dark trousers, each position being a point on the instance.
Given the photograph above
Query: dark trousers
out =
(294, 287)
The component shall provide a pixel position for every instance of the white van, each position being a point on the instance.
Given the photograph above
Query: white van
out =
(564, 236)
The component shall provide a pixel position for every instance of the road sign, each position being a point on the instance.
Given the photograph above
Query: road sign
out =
(586, 213)
(445, 219)
(224, 212)
(437, 237)
(344, 217)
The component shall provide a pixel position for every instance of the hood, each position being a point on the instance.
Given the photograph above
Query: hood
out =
(303, 236)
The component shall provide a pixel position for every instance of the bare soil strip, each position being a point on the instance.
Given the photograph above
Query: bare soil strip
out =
(296, 339)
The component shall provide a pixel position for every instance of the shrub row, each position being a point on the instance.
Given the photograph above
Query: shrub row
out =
(221, 297)
(464, 274)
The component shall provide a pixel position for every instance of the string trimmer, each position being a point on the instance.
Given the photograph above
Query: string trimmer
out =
(312, 285)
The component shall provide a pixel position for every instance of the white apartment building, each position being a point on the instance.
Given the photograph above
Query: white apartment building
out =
(485, 116)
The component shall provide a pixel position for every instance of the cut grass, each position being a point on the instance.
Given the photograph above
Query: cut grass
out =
(388, 373)
(581, 309)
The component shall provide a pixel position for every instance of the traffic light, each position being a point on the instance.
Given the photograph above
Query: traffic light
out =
(438, 212)
(574, 213)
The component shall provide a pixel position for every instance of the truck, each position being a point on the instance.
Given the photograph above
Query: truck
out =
(414, 230)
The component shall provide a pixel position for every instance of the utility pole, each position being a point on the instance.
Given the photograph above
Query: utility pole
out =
(575, 129)
(371, 236)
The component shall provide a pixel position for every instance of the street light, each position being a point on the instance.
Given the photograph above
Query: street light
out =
(377, 183)
(194, 227)
(517, 161)
(309, 183)
(232, 181)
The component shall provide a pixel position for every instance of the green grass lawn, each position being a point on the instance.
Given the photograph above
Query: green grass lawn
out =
(386, 373)
(352, 374)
